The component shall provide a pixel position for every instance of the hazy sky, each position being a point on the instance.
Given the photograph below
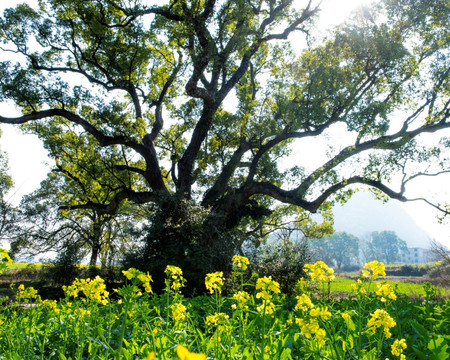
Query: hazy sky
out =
(27, 157)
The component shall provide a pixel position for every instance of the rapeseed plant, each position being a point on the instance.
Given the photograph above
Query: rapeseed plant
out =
(381, 319)
(178, 311)
(373, 269)
(398, 347)
(93, 289)
(184, 354)
(240, 262)
(174, 280)
(385, 291)
(214, 282)
(253, 324)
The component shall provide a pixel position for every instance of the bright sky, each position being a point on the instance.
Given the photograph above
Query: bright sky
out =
(27, 158)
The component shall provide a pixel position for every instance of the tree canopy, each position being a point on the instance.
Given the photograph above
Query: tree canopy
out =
(191, 106)
(385, 246)
(341, 249)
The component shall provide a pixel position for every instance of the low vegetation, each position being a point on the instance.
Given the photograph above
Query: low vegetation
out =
(255, 321)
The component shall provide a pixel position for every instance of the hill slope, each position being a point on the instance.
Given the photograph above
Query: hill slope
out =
(363, 214)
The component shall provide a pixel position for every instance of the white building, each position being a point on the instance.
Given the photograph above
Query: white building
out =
(415, 256)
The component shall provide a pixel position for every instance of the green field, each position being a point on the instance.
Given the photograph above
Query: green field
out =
(344, 285)
(252, 322)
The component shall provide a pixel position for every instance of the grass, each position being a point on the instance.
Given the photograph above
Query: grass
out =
(23, 265)
(344, 285)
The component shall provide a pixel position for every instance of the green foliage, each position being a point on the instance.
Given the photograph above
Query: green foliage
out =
(384, 245)
(64, 269)
(341, 249)
(7, 211)
(283, 259)
(92, 323)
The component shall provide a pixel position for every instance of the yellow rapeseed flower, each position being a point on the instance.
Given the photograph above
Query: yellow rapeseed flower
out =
(307, 328)
(214, 282)
(374, 267)
(385, 291)
(176, 276)
(267, 286)
(304, 303)
(178, 311)
(131, 273)
(241, 262)
(93, 289)
(266, 308)
(150, 356)
(185, 354)
(320, 337)
(320, 311)
(216, 319)
(319, 271)
(241, 298)
(381, 318)
(145, 279)
(26, 293)
(346, 315)
(397, 348)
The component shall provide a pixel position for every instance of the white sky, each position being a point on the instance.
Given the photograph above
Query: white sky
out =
(27, 158)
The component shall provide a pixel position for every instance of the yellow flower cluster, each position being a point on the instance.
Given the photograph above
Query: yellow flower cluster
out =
(131, 273)
(145, 279)
(241, 298)
(216, 319)
(26, 294)
(385, 291)
(319, 271)
(178, 311)
(92, 289)
(4, 256)
(308, 327)
(176, 276)
(51, 304)
(320, 311)
(397, 348)
(346, 315)
(304, 303)
(182, 353)
(266, 286)
(240, 262)
(359, 287)
(214, 282)
(185, 354)
(81, 313)
(266, 308)
(381, 318)
(373, 269)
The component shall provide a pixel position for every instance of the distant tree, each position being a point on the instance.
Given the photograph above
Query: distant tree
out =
(340, 249)
(384, 246)
(440, 252)
(45, 226)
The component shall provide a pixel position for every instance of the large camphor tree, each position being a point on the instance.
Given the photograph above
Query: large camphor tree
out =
(190, 108)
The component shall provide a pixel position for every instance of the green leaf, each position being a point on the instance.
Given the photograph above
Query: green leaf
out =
(438, 346)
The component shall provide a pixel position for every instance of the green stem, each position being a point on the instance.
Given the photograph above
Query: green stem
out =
(122, 331)
(263, 342)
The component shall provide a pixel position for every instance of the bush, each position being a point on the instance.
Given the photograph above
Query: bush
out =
(283, 260)
(64, 269)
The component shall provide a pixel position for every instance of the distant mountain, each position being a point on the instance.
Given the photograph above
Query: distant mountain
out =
(363, 214)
